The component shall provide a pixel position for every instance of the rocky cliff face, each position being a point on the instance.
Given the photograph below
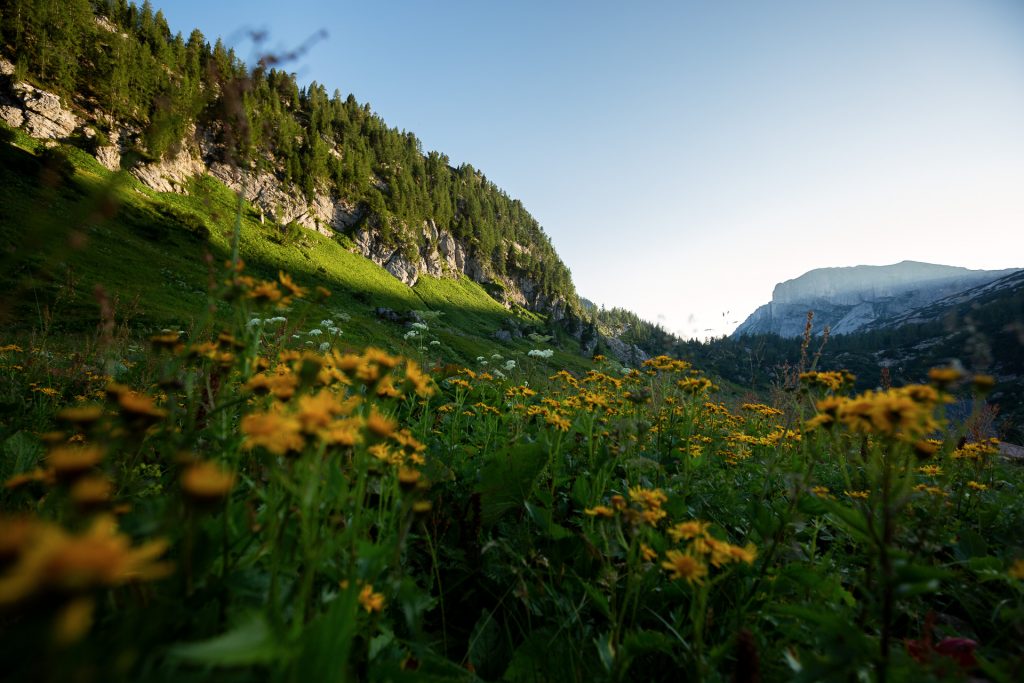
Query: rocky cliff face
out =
(43, 115)
(850, 299)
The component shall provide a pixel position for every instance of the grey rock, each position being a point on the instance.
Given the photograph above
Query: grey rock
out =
(627, 354)
(170, 175)
(503, 336)
(12, 116)
(109, 156)
(279, 202)
(387, 314)
(399, 266)
(371, 245)
(40, 113)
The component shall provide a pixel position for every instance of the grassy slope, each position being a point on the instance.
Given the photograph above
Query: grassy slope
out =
(158, 270)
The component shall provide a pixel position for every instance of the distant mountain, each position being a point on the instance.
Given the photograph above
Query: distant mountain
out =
(852, 299)
(980, 329)
(959, 305)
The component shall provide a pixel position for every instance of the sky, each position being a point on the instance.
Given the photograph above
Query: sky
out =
(685, 156)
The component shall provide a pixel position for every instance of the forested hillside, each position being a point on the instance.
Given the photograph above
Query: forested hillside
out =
(121, 65)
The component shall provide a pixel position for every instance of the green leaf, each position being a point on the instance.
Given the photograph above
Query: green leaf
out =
(542, 518)
(906, 572)
(640, 643)
(599, 599)
(326, 642)
(486, 646)
(605, 651)
(850, 520)
(251, 642)
(507, 478)
(812, 505)
(21, 454)
(970, 544)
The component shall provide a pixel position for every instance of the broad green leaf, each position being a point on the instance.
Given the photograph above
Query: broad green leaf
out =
(507, 479)
(251, 642)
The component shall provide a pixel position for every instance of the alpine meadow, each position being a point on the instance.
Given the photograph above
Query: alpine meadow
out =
(284, 397)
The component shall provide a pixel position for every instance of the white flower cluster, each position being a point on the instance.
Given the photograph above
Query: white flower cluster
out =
(260, 322)
(538, 353)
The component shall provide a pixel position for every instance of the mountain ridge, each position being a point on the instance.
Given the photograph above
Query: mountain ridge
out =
(847, 299)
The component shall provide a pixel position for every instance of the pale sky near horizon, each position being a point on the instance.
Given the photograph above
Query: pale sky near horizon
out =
(686, 156)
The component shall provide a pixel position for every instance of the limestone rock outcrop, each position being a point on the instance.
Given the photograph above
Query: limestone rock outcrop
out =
(41, 114)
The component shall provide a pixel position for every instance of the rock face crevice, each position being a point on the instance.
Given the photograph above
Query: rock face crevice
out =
(437, 253)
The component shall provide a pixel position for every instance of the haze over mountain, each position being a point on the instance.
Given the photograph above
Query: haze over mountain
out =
(849, 299)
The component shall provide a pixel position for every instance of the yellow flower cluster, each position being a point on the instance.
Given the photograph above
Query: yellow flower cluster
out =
(976, 451)
(702, 549)
(43, 559)
(761, 409)
(666, 364)
(907, 413)
(830, 381)
(644, 507)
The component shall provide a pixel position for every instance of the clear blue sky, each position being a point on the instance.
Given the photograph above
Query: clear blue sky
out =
(685, 156)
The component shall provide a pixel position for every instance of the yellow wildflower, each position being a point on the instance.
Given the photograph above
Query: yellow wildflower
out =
(70, 462)
(600, 511)
(687, 530)
(943, 377)
(315, 412)
(370, 601)
(207, 482)
(380, 425)
(289, 284)
(420, 381)
(343, 432)
(276, 432)
(50, 558)
(557, 421)
(683, 566)
(1016, 570)
(91, 491)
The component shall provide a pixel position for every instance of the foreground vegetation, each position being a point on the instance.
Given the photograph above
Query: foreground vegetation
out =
(218, 470)
(246, 504)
